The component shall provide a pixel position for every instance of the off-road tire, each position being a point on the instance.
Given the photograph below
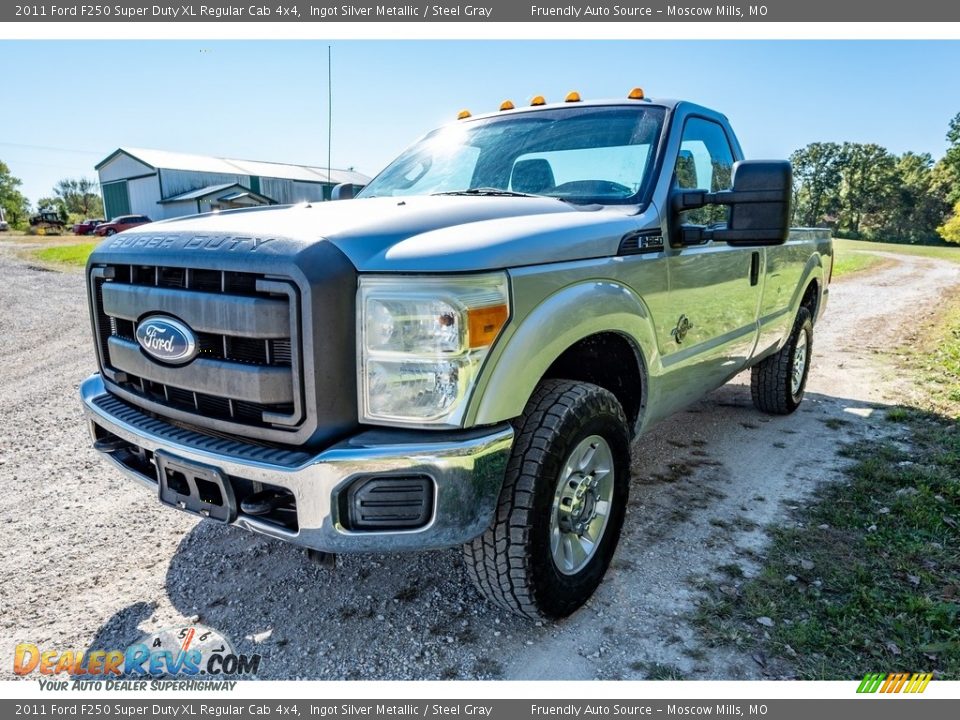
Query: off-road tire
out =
(771, 380)
(511, 563)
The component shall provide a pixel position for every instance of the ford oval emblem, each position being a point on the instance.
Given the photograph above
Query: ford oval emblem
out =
(167, 340)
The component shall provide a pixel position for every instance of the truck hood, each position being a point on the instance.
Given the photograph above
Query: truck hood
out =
(421, 234)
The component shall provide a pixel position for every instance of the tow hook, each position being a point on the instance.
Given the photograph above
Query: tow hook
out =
(328, 561)
(263, 502)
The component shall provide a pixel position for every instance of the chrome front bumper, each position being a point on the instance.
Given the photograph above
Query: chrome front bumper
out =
(466, 468)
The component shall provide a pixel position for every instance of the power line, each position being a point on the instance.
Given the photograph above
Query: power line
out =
(329, 114)
(61, 166)
(54, 149)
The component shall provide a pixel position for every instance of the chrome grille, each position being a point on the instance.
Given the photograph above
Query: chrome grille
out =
(246, 376)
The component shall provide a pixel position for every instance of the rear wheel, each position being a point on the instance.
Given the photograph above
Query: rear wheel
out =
(562, 505)
(777, 383)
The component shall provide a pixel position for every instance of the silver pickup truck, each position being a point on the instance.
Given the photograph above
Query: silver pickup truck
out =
(463, 353)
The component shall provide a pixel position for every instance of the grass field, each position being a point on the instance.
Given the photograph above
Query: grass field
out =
(74, 254)
(848, 262)
(942, 252)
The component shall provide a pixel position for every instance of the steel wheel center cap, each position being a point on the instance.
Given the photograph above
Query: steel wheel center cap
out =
(578, 506)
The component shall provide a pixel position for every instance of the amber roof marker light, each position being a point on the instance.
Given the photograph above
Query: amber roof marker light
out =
(506, 105)
(463, 115)
(538, 100)
(636, 94)
(572, 96)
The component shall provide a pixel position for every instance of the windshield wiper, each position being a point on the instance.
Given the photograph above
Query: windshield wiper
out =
(488, 191)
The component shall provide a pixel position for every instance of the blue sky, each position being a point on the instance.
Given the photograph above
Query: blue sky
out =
(268, 100)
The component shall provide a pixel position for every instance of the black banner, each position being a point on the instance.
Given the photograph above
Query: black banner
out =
(106, 709)
(488, 11)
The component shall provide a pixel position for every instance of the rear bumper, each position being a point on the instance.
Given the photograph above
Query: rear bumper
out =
(466, 470)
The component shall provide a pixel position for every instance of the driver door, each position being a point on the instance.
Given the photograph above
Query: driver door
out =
(709, 325)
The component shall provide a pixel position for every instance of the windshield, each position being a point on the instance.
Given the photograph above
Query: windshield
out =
(582, 155)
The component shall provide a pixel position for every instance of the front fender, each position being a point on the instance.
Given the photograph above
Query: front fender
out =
(542, 335)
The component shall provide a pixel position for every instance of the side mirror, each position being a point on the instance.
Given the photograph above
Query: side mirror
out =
(759, 206)
(345, 191)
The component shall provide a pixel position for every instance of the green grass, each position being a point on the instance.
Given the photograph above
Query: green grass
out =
(932, 353)
(848, 263)
(867, 577)
(940, 365)
(73, 255)
(943, 252)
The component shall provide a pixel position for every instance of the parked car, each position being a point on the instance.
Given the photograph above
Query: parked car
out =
(87, 226)
(120, 223)
(464, 353)
(4, 226)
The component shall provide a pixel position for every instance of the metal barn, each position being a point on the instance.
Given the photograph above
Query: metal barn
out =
(163, 184)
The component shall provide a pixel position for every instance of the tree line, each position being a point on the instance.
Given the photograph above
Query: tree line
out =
(73, 199)
(862, 190)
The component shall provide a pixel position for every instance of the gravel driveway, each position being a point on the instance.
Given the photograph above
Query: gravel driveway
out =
(91, 559)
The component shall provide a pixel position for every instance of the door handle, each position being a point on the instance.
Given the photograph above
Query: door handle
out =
(754, 267)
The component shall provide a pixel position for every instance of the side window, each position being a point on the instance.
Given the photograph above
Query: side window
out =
(705, 162)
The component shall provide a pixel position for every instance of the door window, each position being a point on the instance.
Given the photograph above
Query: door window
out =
(705, 162)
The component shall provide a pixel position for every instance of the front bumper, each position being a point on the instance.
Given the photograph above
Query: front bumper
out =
(466, 469)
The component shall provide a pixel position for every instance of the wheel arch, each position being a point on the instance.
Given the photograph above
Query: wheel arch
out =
(596, 331)
(808, 291)
(811, 298)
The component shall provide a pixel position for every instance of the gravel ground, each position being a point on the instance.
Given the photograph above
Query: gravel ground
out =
(92, 560)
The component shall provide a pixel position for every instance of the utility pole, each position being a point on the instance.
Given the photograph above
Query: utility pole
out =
(329, 116)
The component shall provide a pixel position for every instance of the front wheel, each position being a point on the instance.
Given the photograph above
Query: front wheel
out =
(562, 505)
(777, 383)
(110, 231)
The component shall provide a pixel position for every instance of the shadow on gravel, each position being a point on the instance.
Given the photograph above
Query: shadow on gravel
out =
(122, 628)
(416, 616)
(399, 616)
(120, 631)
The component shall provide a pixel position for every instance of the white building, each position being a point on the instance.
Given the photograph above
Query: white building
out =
(164, 185)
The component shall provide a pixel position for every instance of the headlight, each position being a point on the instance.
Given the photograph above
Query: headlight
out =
(422, 343)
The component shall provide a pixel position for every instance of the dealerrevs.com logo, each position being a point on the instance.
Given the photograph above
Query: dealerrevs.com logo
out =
(191, 657)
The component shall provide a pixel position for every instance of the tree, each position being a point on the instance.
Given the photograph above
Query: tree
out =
(950, 230)
(918, 203)
(55, 204)
(868, 179)
(949, 166)
(79, 196)
(816, 175)
(947, 179)
(14, 203)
